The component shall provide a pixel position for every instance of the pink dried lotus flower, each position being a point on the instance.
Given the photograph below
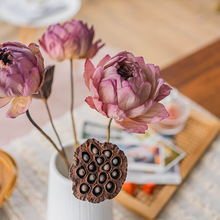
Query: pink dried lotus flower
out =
(128, 90)
(70, 40)
(21, 75)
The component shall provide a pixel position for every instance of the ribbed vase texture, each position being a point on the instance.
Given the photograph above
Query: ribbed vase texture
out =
(62, 204)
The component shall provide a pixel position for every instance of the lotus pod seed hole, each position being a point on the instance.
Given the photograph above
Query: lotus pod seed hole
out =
(97, 191)
(99, 160)
(107, 153)
(102, 178)
(106, 167)
(94, 149)
(81, 172)
(84, 188)
(110, 187)
(115, 174)
(91, 178)
(92, 167)
(116, 161)
(85, 157)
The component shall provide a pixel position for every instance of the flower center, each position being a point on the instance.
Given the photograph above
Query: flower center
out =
(5, 56)
(125, 71)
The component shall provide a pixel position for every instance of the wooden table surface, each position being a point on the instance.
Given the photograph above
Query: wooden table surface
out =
(198, 77)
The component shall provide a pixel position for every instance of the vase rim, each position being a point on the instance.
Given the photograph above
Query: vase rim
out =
(54, 158)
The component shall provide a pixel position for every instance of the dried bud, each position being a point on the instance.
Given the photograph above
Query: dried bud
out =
(100, 171)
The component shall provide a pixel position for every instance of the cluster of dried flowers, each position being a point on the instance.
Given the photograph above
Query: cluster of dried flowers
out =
(123, 88)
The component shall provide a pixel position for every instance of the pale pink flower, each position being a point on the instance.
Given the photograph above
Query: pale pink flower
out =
(21, 75)
(128, 90)
(71, 40)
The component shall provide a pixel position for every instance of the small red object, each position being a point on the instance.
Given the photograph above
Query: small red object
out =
(148, 188)
(129, 187)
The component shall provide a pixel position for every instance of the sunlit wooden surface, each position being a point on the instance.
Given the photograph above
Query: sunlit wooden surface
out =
(198, 77)
(160, 31)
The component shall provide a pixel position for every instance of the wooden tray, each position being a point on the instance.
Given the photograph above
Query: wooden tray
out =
(194, 140)
(8, 176)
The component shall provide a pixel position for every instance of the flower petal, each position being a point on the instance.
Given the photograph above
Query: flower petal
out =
(2, 92)
(3, 75)
(104, 60)
(54, 46)
(111, 74)
(32, 83)
(95, 104)
(19, 106)
(94, 48)
(89, 70)
(127, 99)
(43, 43)
(71, 47)
(156, 113)
(113, 111)
(93, 89)
(155, 90)
(4, 101)
(59, 31)
(69, 26)
(140, 110)
(107, 92)
(145, 90)
(24, 65)
(133, 126)
(114, 61)
(39, 58)
(149, 74)
(14, 85)
(13, 44)
(89, 101)
(96, 78)
(163, 92)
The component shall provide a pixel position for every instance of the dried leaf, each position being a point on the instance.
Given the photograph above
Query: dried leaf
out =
(45, 90)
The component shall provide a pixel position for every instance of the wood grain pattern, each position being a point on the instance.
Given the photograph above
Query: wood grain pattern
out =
(198, 77)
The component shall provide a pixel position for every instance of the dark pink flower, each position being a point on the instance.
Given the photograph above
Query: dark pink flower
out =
(21, 75)
(70, 40)
(128, 90)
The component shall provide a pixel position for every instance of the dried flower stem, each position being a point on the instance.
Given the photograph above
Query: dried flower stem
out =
(48, 138)
(108, 131)
(72, 103)
(52, 124)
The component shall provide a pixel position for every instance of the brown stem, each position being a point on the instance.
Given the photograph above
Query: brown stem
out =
(52, 124)
(72, 103)
(108, 132)
(48, 138)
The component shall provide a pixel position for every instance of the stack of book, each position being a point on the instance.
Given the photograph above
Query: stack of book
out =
(152, 158)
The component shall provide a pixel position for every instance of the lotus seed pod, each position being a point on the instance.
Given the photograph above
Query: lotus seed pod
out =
(98, 171)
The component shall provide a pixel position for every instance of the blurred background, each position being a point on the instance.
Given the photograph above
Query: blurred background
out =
(160, 31)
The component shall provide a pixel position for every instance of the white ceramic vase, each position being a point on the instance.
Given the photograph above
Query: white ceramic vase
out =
(62, 204)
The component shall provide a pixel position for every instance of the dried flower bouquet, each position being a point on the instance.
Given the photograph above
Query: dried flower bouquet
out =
(122, 87)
